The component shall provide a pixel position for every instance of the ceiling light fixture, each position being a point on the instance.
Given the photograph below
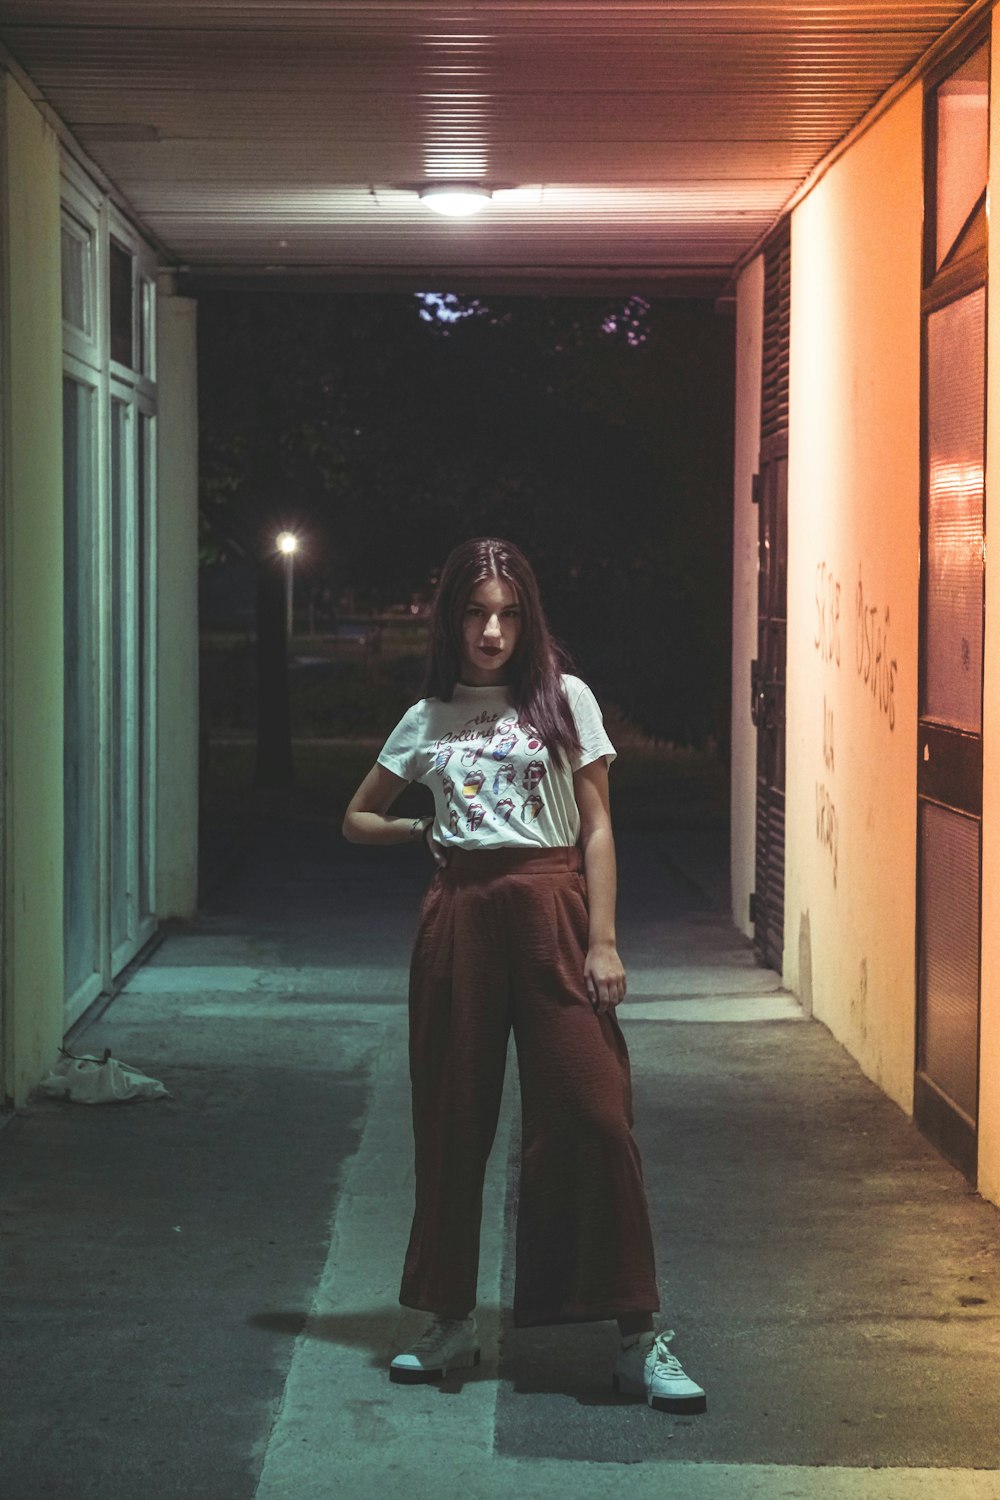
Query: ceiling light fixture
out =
(457, 200)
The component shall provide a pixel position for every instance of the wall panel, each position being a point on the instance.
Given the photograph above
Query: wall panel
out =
(854, 496)
(33, 597)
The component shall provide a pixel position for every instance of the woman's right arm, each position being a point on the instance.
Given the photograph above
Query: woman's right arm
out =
(368, 821)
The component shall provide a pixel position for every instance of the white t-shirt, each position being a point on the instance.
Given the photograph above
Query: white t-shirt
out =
(493, 783)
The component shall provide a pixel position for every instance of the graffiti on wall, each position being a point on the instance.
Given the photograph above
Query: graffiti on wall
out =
(827, 827)
(877, 668)
(826, 642)
(827, 637)
(876, 665)
(827, 830)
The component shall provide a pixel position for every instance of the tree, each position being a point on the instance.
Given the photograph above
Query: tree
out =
(595, 433)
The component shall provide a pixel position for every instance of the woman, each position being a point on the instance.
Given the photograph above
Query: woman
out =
(517, 930)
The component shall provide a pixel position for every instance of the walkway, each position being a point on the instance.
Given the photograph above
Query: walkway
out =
(199, 1294)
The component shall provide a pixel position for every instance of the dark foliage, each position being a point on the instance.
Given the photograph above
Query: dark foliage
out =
(596, 435)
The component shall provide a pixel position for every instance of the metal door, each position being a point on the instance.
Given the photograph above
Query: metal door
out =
(952, 526)
(768, 705)
(767, 690)
(950, 744)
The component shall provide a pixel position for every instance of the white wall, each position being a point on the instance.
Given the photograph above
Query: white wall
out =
(176, 860)
(743, 764)
(853, 545)
(32, 597)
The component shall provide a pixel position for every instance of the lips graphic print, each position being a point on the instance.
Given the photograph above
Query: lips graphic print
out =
(532, 807)
(473, 782)
(504, 777)
(533, 773)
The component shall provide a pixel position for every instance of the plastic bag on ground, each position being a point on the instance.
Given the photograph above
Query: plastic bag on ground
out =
(99, 1080)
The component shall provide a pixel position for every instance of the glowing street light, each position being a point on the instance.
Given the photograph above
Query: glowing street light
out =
(288, 545)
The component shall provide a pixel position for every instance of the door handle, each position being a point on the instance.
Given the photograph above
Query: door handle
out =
(759, 710)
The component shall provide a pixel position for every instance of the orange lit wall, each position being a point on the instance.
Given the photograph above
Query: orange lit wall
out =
(853, 528)
(743, 762)
(989, 1039)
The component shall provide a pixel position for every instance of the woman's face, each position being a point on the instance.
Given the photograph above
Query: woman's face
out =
(491, 624)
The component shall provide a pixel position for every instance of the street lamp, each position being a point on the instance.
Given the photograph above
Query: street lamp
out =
(288, 545)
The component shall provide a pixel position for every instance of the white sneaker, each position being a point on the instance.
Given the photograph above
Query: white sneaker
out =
(445, 1344)
(647, 1368)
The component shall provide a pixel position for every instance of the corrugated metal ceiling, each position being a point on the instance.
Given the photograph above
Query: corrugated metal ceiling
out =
(625, 142)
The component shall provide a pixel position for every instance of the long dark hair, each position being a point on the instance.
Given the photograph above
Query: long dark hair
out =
(535, 684)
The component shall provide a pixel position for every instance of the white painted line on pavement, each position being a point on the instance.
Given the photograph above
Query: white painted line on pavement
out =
(725, 1008)
(344, 1430)
(371, 1012)
(213, 979)
(696, 977)
(706, 995)
(340, 1413)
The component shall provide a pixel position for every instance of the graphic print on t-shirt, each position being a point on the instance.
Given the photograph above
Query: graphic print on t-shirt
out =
(504, 746)
(532, 807)
(527, 800)
(503, 778)
(473, 781)
(533, 773)
(503, 738)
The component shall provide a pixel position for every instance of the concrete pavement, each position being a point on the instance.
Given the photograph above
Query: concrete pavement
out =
(199, 1295)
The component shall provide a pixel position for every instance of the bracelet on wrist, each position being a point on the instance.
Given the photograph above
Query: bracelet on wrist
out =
(417, 828)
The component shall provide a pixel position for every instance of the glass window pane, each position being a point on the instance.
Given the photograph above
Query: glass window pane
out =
(147, 311)
(120, 303)
(954, 558)
(81, 725)
(975, 236)
(122, 777)
(962, 141)
(144, 704)
(949, 942)
(76, 264)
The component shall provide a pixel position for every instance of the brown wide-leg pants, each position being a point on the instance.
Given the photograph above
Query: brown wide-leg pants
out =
(502, 940)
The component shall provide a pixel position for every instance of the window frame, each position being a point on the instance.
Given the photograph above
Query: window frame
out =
(965, 275)
(92, 984)
(81, 213)
(87, 358)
